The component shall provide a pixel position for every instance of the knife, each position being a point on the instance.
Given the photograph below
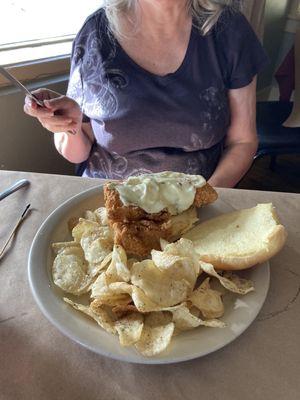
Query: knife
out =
(19, 85)
(13, 188)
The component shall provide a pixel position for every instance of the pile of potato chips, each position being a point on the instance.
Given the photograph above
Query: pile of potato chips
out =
(144, 302)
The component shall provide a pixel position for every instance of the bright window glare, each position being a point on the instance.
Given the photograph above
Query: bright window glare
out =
(23, 20)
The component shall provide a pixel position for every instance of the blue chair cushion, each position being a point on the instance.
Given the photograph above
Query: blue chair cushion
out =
(273, 137)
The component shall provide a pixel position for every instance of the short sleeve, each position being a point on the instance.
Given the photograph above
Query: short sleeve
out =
(79, 57)
(240, 52)
(75, 85)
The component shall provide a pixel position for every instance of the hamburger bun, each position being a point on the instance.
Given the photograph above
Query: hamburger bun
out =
(240, 239)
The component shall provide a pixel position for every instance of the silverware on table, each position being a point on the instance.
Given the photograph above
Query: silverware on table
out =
(13, 188)
(20, 86)
(20, 220)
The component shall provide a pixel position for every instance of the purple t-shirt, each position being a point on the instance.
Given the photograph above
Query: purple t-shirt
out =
(143, 122)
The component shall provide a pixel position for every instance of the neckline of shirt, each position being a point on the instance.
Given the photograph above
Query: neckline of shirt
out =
(162, 78)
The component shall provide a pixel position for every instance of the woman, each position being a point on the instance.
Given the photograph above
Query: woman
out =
(159, 85)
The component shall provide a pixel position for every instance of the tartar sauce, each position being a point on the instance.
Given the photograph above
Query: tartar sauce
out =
(174, 191)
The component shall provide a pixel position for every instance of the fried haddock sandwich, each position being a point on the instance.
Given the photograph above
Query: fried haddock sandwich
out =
(146, 208)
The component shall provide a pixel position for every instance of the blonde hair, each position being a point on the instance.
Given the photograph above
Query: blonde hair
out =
(204, 12)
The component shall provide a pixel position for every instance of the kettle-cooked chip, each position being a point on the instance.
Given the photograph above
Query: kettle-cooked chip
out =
(95, 268)
(102, 317)
(116, 290)
(90, 216)
(156, 336)
(244, 285)
(61, 246)
(121, 310)
(163, 288)
(101, 215)
(84, 227)
(163, 243)
(118, 270)
(240, 286)
(184, 248)
(185, 320)
(98, 245)
(207, 300)
(130, 328)
(69, 271)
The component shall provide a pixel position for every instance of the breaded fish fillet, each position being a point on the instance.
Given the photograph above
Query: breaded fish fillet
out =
(117, 211)
(140, 237)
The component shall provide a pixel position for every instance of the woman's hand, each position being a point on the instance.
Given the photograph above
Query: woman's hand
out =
(62, 115)
(59, 114)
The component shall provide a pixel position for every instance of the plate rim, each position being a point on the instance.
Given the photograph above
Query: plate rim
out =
(136, 359)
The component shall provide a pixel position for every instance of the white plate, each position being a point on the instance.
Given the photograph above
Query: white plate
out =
(239, 314)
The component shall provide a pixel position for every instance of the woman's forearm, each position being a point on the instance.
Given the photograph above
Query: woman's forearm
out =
(75, 148)
(235, 162)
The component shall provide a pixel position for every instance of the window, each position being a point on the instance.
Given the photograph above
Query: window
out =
(40, 33)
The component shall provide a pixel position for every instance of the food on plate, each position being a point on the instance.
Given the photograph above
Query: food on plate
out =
(146, 283)
(143, 209)
(144, 302)
(239, 239)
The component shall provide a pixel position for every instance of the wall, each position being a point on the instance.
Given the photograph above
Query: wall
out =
(24, 144)
(275, 20)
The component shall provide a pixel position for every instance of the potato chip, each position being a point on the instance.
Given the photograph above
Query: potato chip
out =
(95, 268)
(159, 318)
(130, 262)
(111, 299)
(60, 246)
(163, 243)
(142, 302)
(185, 320)
(99, 285)
(184, 248)
(111, 294)
(160, 287)
(90, 216)
(245, 285)
(101, 215)
(122, 310)
(84, 226)
(163, 260)
(183, 222)
(130, 328)
(69, 271)
(117, 270)
(102, 317)
(233, 284)
(180, 251)
(101, 291)
(207, 300)
(98, 245)
(156, 336)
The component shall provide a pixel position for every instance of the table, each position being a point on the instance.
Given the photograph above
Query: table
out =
(38, 362)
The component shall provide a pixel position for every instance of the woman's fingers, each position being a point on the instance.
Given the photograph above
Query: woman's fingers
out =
(58, 123)
(59, 103)
(57, 120)
(45, 94)
(31, 108)
(59, 127)
(34, 110)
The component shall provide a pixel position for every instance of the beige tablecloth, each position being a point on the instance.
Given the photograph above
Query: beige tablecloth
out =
(38, 362)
